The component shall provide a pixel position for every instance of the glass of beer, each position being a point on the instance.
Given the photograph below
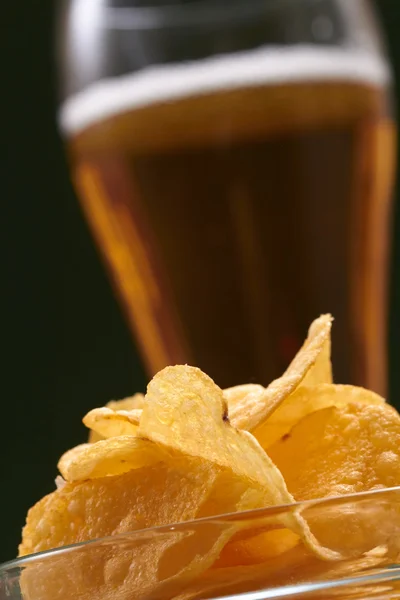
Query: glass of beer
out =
(234, 160)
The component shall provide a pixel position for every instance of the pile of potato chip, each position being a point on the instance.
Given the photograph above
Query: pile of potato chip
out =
(188, 449)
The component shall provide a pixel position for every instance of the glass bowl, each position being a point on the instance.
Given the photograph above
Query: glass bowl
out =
(185, 561)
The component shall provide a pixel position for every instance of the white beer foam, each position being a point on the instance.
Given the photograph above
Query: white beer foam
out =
(264, 66)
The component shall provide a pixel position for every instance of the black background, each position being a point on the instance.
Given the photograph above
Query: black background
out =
(65, 346)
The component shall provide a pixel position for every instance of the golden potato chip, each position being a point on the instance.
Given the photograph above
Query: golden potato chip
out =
(281, 569)
(143, 497)
(130, 403)
(251, 411)
(305, 400)
(112, 423)
(249, 392)
(321, 371)
(108, 457)
(180, 490)
(257, 548)
(156, 495)
(338, 450)
(290, 568)
(344, 450)
(94, 437)
(185, 410)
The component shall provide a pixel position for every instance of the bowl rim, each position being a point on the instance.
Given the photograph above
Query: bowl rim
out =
(380, 576)
(258, 513)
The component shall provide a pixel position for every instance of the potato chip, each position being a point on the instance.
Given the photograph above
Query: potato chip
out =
(337, 450)
(155, 495)
(144, 497)
(251, 411)
(185, 410)
(218, 582)
(249, 392)
(108, 457)
(305, 400)
(290, 568)
(257, 548)
(175, 491)
(321, 371)
(343, 450)
(130, 403)
(112, 423)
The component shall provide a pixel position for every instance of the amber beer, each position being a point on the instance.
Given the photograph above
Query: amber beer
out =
(233, 201)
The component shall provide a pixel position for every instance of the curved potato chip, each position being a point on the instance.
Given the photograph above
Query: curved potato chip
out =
(321, 371)
(108, 423)
(185, 410)
(94, 437)
(130, 403)
(344, 450)
(258, 548)
(166, 493)
(108, 457)
(306, 400)
(293, 567)
(337, 450)
(148, 565)
(144, 497)
(238, 393)
(251, 412)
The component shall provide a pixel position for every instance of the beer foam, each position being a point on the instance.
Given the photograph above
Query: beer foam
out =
(263, 66)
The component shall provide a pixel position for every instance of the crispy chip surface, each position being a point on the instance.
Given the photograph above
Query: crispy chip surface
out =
(131, 403)
(190, 450)
(251, 411)
(305, 400)
(144, 497)
(321, 371)
(258, 548)
(112, 423)
(344, 450)
(338, 450)
(185, 410)
(108, 457)
(174, 491)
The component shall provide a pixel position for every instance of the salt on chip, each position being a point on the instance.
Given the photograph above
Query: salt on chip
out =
(251, 411)
(185, 410)
(112, 423)
(305, 400)
(343, 450)
(108, 457)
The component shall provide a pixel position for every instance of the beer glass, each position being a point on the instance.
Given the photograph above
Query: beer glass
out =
(234, 161)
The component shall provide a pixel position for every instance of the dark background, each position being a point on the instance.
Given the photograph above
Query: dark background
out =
(66, 348)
